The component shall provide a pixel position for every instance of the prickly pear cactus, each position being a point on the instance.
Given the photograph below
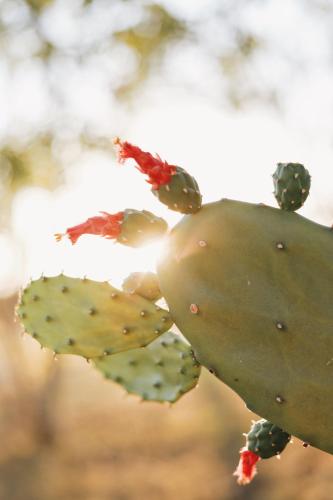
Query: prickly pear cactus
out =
(85, 317)
(249, 286)
(131, 227)
(243, 274)
(162, 371)
(291, 185)
(266, 439)
(144, 284)
(172, 185)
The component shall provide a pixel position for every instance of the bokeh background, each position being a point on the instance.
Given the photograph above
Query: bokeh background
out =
(224, 88)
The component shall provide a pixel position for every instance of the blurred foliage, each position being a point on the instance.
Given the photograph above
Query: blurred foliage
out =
(24, 165)
(148, 39)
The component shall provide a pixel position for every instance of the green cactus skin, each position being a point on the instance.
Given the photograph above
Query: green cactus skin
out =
(250, 287)
(163, 371)
(291, 185)
(144, 284)
(141, 227)
(88, 318)
(266, 439)
(181, 193)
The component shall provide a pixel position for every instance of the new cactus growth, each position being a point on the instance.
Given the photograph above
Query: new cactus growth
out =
(130, 227)
(249, 286)
(265, 440)
(163, 371)
(144, 284)
(172, 185)
(291, 185)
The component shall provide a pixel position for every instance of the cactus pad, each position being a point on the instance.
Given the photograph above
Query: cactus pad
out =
(89, 318)
(250, 287)
(162, 371)
(266, 439)
(144, 284)
(291, 185)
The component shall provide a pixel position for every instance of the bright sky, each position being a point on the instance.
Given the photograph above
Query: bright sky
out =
(231, 154)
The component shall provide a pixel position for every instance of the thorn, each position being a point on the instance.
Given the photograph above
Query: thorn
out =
(305, 445)
(114, 295)
(125, 331)
(185, 190)
(280, 245)
(157, 331)
(167, 187)
(279, 399)
(175, 205)
(48, 318)
(92, 311)
(202, 243)
(34, 298)
(70, 342)
(143, 313)
(164, 319)
(280, 326)
(64, 289)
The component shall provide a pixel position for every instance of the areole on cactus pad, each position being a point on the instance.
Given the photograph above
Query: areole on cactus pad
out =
(249, 286)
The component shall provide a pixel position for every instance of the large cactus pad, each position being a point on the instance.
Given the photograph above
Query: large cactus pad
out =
(89, 318)
(251, 288)
(162, 371)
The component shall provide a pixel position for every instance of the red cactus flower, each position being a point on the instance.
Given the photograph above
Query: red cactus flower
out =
(159, 172)
(246, 469)
(107, 225)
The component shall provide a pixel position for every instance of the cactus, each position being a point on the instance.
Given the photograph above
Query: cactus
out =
(265, 440)
(144, 284)
(172, 185)
(249, 286)
(84, 317)
(291, 185)
(162, 371)
(131, 227)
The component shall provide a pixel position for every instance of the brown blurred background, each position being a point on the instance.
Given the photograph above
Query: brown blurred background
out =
(74, 73)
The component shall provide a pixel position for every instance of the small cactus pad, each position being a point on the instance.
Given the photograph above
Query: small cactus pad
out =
(162, 371)
(131, 227)
(89, 318)
(141, 227)
(291, 185)
(144, 284)
(250, 287)
(172, 185)
(266, 439)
